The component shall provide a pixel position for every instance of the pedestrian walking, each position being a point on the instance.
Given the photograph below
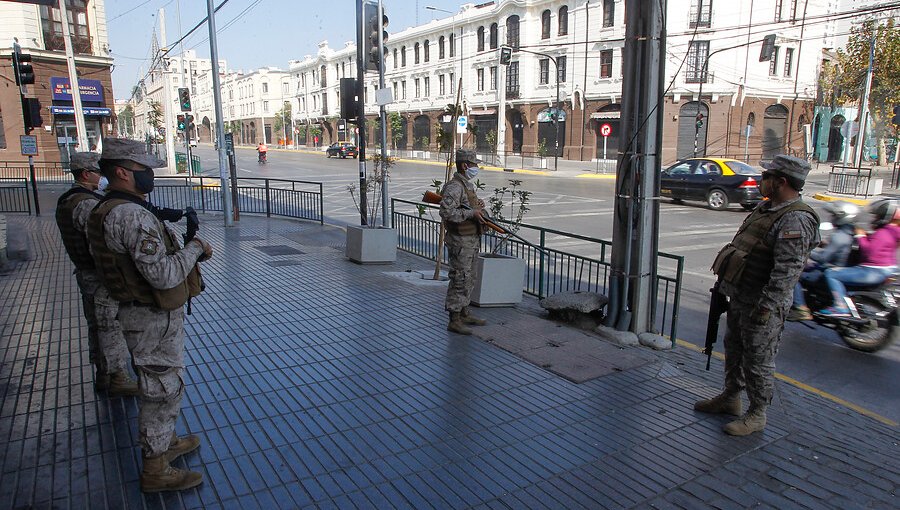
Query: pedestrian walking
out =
(106, 348)
(461, 210)
(151, 276)
(757, 271)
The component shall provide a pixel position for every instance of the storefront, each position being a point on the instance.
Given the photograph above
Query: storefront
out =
(62, 112)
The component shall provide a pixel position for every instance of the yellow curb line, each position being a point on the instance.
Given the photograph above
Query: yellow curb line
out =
(596, 176)
(803, 386)
(829, 198)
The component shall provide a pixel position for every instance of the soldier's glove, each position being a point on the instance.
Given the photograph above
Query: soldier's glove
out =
(193, 224)
(168, 214)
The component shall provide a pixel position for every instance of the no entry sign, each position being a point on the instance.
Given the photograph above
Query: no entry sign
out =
(605, 130)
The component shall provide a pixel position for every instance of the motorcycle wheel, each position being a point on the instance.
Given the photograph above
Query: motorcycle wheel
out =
(876, 335)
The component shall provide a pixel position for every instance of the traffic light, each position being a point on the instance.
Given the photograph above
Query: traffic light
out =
(22, 68)
(349, 106)
(181, 122)
(31, 113)
(699, 120)
(189, 121)
(184, 99)
(374, 36)
(505, 55)
(768, 48)
(896, 118)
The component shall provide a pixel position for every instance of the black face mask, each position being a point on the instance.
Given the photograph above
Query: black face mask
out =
(143, 181)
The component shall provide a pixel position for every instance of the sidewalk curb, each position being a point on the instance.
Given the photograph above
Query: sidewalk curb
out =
(829, 198)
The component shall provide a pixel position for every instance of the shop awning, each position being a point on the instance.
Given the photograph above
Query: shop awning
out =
(606, 115)
(88, 111)
(476, 113)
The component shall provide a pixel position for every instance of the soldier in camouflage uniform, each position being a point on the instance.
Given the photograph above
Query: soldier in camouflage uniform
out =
(461, 212)
(106, 347)
(757, 271)
(145, 269)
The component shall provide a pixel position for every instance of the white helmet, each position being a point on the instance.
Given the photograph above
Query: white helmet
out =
(883, 211)
(842, 213)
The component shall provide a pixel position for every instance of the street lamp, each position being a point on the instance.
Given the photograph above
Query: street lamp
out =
(556, 113)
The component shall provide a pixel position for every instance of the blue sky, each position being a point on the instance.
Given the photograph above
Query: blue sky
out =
(269, 33)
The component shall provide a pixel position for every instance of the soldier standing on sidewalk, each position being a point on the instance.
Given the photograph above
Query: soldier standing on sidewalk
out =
(152, 277)
(461, 212)
(107, 351)
(758, 270)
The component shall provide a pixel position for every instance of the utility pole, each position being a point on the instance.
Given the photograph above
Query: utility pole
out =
(864, 102)
(501, 112)
(167, 96)
(385, 198)
(73, 82)
(361, 109)
(220, 126)
(636, 214)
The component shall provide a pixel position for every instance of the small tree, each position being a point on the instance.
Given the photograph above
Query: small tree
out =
(381, 172)
(491, 139)
(513, 198)
(282, 122)
(155, 116)
(126, 121)
(395, 123)
(542, 148)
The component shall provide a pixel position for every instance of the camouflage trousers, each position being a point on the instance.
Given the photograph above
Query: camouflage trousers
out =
(88, 283)
(462, 258)
(156, 340)
(750, 349)
(113, 348)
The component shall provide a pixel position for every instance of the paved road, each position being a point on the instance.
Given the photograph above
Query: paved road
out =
(813, 355)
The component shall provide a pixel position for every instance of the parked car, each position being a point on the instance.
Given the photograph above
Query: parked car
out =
(717, 181)
(342, 149)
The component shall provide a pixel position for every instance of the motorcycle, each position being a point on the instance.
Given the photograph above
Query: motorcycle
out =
(262, 158)
(874, 321)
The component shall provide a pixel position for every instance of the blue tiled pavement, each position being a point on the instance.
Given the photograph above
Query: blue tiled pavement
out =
(318, 383)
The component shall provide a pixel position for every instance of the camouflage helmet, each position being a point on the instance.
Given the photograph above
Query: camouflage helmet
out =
(467, 155)
(84, 162)
(788, 166)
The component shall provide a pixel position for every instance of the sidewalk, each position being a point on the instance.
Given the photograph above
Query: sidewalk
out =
(314, 382)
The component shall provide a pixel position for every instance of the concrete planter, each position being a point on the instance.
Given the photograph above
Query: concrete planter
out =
(499, 280)
(542, 163)
(371, 245)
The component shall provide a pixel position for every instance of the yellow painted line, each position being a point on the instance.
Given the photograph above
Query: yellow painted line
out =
(596, 176)
(805, 387)
(829, 198)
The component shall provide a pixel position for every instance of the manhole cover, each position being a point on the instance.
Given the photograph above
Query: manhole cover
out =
(278, 249)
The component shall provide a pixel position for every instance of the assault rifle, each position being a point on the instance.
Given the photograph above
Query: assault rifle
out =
(718, 304)
(191, 229)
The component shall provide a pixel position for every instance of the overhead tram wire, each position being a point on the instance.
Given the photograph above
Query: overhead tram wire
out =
(228, 23)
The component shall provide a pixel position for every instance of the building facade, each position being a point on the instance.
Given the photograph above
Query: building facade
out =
(751, 109)
(39, 32)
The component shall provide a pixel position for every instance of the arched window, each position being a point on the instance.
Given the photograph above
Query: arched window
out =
(563, 20)
(512, 32)
(480, 38)
(545, 24)
(493, 36)
(395, 58)
(441, 47)
(452, 45)
(416, 53)
(609, 13)
(427, 52)
(403, 56)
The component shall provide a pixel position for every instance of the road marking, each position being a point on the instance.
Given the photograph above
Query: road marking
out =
(806, 387)
(596, 176)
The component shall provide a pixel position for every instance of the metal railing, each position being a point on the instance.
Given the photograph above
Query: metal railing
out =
(564, 262)
(849, 180)
(44, 172)
(272, 197)
(14, 195)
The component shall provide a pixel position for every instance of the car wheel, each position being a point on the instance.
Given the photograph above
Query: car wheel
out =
(677, 201)
(717, 199)
(748, 207)
(343, 156)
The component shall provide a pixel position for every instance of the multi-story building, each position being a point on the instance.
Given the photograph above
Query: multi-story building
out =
(39, 31)
(251, 104)
(751, 109)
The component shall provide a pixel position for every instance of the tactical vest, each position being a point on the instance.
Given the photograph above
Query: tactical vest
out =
(120, 275)
(747, 261)
(467, 227)
(75, 242)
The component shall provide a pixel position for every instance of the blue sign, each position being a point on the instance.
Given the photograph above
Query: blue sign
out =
(61, 90)
(88, 111)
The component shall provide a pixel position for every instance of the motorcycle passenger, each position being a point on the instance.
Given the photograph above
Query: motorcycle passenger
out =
(877, 256)
(833, 253)
(262, 150)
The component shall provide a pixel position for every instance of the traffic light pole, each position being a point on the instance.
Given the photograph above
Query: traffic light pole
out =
(25, 127)
(220, 126)
(385, 197)
(361, 109)
(73, 82)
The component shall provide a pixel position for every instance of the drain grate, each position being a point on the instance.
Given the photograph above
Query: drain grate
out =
(278, 249)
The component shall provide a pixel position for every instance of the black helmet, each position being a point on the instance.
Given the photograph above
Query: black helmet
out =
(842, 213)
(883, 211)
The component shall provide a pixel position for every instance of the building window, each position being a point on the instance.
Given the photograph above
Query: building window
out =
(403, 89)
(265, 88)
(788, 61)
(606, 59)
(418, 92)
(777, 10)
(427, 51)
(493, 36)
(545, 24)
(441, 48)
(494, 78)
(324, 82)
(403, 56)
(793, 10)
(427, 84)
(609, 13)
(561, 69)
(479, 37)
(285, 89)
(773, 64)
(452, 83)
(395, 58)
(442, 85)
(266, 106)
(701, 14)
(416, 53)
(512, 32)
(696, 62)
(51, 25)
(563, 20)
(512, 80)
(544, 71)
(480, 73)
(452, 43)
(324, 103)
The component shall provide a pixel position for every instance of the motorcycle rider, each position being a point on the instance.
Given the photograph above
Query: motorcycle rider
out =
(262, 149)
(834, 253)
(877, 256)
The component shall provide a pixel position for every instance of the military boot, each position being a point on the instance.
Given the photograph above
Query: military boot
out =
(181, 445)
(723, 403)
(456, 324)
(753, 421)
(799, 313)
(468, 318)
(101, 380)
(159, 476)
(120, 385)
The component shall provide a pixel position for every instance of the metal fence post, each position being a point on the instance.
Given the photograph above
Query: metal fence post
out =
(268, 198)
(321, 206)
(541, 265)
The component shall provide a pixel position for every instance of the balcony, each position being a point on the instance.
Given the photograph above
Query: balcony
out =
(512, 92)
(696, 76)
(81, 44)
(700, 19)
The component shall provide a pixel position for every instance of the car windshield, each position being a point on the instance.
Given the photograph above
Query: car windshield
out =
(742, 168)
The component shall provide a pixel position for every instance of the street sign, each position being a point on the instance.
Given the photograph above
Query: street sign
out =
(29, 145)
(850, 128)
(462, 124)
(229, 142)
(605, 130)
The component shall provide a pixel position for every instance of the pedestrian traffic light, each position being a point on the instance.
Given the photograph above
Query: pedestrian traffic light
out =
(374, 36)
(184, 99)
(699, 120)
(349, 105)
(768, 48)
(896, 118)
(22, 67)
(505, 55)
(31, 113)
(181, 122)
